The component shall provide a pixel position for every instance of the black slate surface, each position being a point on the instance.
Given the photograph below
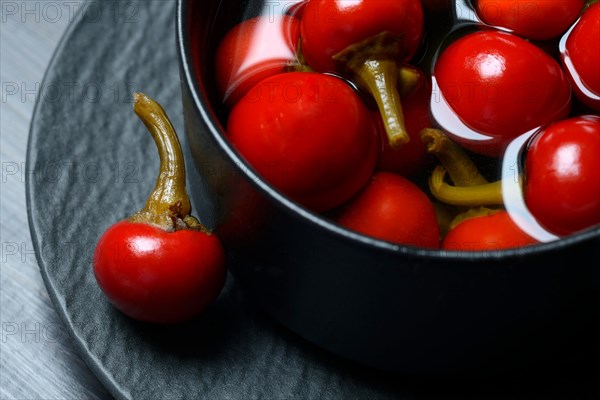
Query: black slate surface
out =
(91, 162)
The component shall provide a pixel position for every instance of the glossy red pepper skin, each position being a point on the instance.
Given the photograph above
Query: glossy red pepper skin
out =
(531, 19)
(252, 51)
(161, 265)
(563, 175)
(158, 276)
(330, 26)
(501, 86)
(392, 208)
(582, 50)
(309, 135)
(487, 233)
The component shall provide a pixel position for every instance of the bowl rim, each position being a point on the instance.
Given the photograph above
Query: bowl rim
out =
(212, 124)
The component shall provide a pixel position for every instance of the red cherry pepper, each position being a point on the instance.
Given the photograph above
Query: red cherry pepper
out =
(309, 135)
(501, 86)
(581, 57)
(531, 19)
(365, 40)
(392, 208)
(161, 265)
(494, 231)
(562, 168)
(252, 51)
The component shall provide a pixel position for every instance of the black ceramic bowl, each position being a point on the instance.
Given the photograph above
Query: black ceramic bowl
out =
(392, 307)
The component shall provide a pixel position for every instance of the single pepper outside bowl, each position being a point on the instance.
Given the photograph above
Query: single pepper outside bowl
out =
(397, 308)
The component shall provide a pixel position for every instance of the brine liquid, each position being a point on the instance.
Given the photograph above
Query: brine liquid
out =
(441, 30)
(511, 165)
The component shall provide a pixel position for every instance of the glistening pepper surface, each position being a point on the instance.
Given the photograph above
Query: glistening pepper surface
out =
(161, 265)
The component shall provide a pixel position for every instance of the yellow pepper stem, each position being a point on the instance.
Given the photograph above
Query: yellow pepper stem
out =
(168, 206)
(461, 169)
(373, 66)
(470, 196)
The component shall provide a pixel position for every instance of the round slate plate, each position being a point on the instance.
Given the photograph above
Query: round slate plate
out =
(91, 162)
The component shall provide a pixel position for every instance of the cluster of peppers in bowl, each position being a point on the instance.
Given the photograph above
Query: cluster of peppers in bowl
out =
(328, 102)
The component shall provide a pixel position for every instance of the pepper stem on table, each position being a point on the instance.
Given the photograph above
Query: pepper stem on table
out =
(168, 206)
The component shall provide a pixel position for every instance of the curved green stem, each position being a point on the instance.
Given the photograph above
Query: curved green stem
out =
(461, 169)
(168, 206)
(372, 64)
(481, 195)
(381, 80)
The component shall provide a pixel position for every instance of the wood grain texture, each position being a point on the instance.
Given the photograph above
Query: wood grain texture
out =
(37, 359)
